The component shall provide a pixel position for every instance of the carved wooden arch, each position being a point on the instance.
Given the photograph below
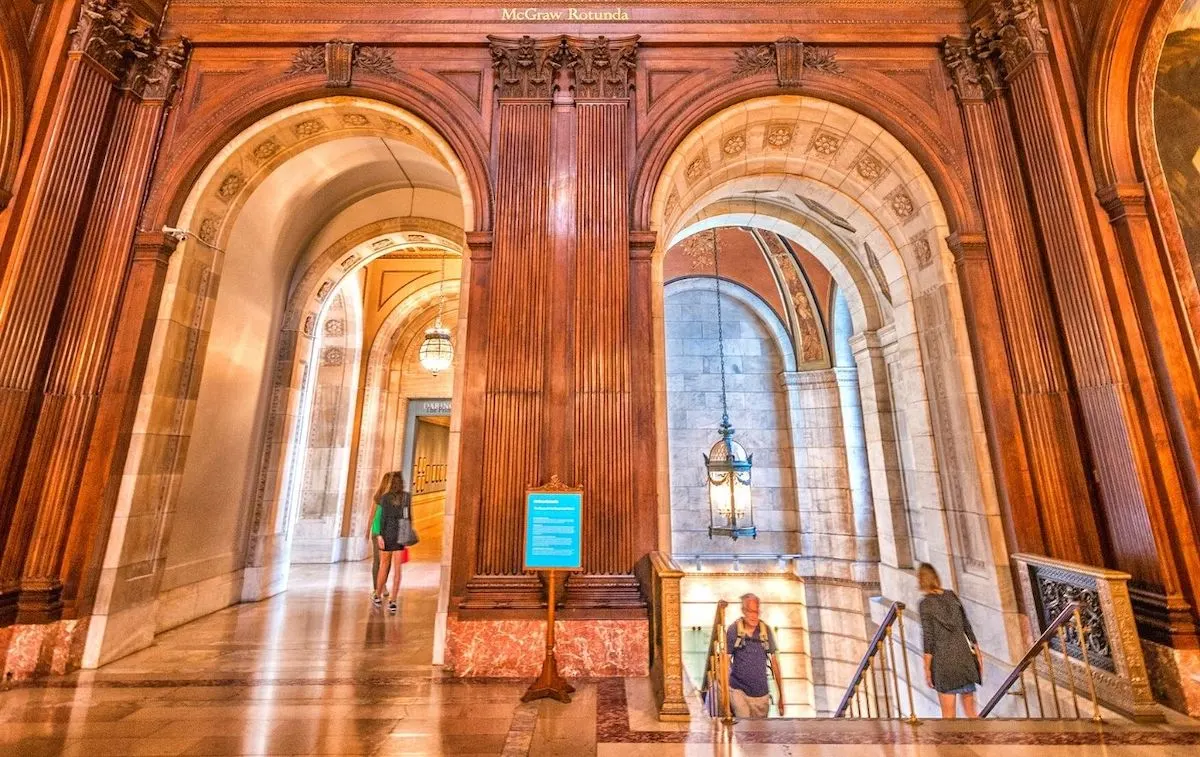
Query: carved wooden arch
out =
(952, 187)
(12, 103)
(1119, 99)
(1121, 73)
(200, 144)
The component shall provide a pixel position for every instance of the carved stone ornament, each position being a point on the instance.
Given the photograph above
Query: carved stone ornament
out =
(526, 68)
(106, 34)
(877, 272)
(789, 57)
(604, 69)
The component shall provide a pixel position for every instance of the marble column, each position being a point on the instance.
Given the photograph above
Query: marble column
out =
(883, 452)
(858, 466)
(45, 254)
(1137, 473)
(829, 533)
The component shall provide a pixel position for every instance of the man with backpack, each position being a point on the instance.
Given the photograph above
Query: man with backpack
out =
(751, 646)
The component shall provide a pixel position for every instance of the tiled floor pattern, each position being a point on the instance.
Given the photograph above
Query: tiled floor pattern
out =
(317, 670)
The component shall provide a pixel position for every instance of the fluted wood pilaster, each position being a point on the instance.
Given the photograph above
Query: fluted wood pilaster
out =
(603, 464)
(1120, 405)
(1031, 428)
(82, 348)
(44, 257)
(116, 406)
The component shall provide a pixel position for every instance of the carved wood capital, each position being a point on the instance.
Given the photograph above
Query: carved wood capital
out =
(1014, 33)
(108, 34)
(966, 73)
(1121, 201)
(968, 247)
(479, 245)
(155, 73)
(526, 68)
(604, 68)
(642, 244)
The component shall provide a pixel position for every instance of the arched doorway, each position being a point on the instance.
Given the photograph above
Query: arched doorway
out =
(307, 232)
(883, 453)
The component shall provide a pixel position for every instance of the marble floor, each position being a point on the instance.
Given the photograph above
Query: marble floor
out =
(318, 670)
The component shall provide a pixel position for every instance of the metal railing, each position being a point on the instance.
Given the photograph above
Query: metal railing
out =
(716, 670)
(874, 691)
(1067, 622)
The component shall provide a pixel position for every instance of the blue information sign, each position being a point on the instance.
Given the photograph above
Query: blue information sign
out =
(553, 524)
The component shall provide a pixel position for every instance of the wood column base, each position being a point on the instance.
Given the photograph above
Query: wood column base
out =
(1164, 619)
(40, 601)
(585, 591)
(8, 604)
(503, 593)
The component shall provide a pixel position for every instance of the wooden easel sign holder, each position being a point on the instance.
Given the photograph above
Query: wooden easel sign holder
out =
(553, 542)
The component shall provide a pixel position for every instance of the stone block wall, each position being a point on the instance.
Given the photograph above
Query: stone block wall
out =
(758, 409)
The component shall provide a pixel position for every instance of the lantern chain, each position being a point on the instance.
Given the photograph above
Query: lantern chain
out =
(441, 291)
(720, 331)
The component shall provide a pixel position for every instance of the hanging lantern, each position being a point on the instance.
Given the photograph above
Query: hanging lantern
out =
(727, 465)
(437, 351)
(728, 469)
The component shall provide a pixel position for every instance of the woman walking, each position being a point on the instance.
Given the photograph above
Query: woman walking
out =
(392, 506)
(953, 662)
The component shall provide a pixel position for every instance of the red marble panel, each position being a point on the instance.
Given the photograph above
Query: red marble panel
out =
(515, 648)
(40, 649)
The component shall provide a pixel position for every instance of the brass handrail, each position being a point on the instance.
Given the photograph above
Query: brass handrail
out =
(716, 667)
(864, 689)
(1057, 629)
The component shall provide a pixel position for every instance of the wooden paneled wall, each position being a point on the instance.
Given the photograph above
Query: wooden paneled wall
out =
(558, 398)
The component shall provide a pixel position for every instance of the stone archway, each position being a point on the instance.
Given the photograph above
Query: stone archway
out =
(282, 215)
(843, 188)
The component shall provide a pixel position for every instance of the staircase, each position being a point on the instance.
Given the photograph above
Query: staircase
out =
(784, 610)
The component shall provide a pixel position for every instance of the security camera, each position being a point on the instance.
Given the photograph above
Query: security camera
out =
(179, 235)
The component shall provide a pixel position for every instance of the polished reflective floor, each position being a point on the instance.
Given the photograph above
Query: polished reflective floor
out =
(318, 670)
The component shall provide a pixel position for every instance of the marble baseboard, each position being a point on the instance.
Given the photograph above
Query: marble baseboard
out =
(1174, 676)
(515, 648)
(29, 651)
(184, 604)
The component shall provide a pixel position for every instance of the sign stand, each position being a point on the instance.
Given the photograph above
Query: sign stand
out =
(549, 684)
(553, 542)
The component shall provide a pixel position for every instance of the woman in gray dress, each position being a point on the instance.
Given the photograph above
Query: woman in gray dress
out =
(953, 662)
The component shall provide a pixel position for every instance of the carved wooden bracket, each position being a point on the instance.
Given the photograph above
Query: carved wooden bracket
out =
(789, 57)
(340, 60)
